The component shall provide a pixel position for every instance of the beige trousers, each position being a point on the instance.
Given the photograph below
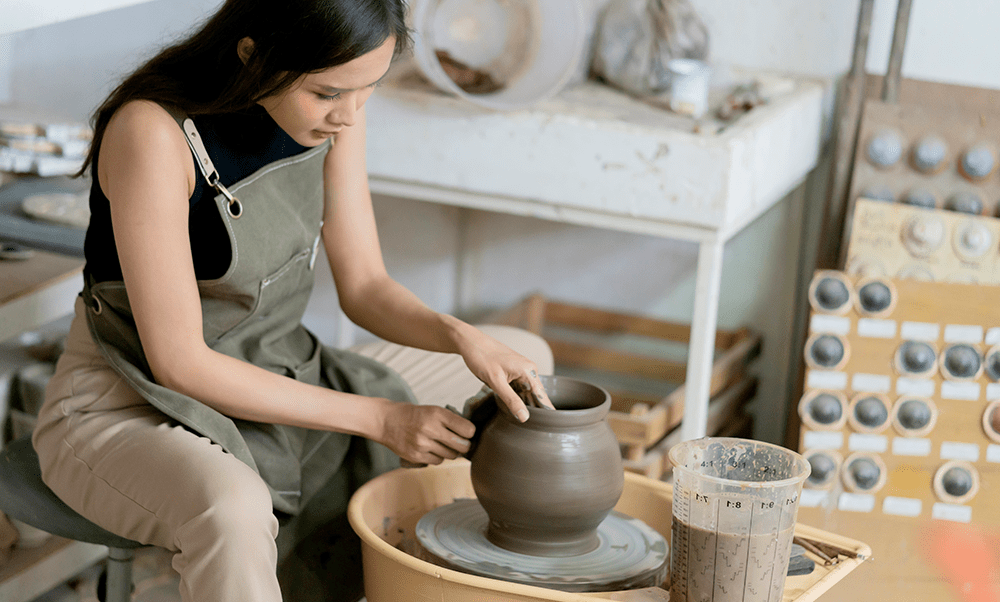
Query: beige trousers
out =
(129, 468)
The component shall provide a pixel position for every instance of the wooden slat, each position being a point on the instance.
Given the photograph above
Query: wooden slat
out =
(608, 322)
(723, 410)
(589, 357)
(534, 314)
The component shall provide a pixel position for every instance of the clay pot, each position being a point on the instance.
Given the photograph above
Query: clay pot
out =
(547, 483)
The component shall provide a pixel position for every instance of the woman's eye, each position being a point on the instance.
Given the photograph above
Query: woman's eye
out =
(329, 96)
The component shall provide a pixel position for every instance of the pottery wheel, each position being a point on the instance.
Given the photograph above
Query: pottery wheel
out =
(629, 555)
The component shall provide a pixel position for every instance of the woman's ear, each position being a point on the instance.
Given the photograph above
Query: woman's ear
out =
(244, 48)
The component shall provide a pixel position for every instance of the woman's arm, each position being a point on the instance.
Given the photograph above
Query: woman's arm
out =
(146, 170)
(374, 301)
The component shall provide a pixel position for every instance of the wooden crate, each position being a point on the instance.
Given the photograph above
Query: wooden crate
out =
(640, 420)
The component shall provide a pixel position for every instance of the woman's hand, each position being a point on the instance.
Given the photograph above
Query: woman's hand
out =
(498, 366)
(424, 434)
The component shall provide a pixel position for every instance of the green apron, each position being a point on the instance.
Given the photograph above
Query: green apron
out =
(253, 313)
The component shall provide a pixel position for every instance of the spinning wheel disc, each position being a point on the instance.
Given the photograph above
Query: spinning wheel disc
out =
(630, 554)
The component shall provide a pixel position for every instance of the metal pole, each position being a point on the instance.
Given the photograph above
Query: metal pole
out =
(890, 88)
(118, 587)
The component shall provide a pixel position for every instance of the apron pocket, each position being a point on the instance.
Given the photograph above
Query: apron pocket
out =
(274, 290)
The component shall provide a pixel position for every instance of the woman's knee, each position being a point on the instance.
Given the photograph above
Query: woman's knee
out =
(231, 511)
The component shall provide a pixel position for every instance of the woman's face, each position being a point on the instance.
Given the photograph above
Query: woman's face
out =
(318, 105)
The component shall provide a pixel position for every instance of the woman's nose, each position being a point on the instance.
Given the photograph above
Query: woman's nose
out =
(346, 114)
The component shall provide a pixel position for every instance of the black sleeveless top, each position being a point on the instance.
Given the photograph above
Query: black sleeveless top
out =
(239, 144)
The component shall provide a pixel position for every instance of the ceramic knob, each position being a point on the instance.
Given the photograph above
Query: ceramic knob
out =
(825, 409)
(914, 414)
(966, 202)
(992, 365)
(957, 481)
(923, 235)
(978, 161)
(929, 153)
(879, 193)
(919, 197)
(992, 421)
(885, 148)
(827, 351)
(823, 468)
(865, 473)
(871, 412)
(875, 297)
(916, 357)
(832, 294)
(865, 267)
(972, 239)
(962, 361)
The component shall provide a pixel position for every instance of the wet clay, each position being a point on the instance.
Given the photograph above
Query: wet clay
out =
(725, 567)
(547, 483)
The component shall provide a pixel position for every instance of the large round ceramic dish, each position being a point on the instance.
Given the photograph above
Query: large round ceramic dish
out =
(530, 48)
(385, 511)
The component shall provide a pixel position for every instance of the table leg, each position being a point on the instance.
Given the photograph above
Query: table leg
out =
(702, 346)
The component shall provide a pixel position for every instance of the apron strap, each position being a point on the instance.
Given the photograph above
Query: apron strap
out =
(204, 162)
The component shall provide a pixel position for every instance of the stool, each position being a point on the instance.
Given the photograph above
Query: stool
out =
(27, 499)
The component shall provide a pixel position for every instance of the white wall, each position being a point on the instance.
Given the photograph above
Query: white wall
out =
(69, 68)
(19, 15)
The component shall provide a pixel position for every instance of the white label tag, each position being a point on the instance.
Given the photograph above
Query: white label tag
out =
(811, 498)
(993, 336)
(870, 383)
(822, 440)
(961, 333)
(993, 453)
(830, 324)
(877, 329)
(824, 379)
(919, 331)
(950, 450)
(866, 442)
(911, 446)
(992, 391)
(856, 502)
(952, 512)
(921, 387)
(960, 391)
(902, 506)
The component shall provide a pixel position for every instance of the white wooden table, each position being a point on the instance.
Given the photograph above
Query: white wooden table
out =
(595, 157)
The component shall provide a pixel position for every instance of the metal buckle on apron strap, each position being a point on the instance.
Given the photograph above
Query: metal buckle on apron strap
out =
(207, 168)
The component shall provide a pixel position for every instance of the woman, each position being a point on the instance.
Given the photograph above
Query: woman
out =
(191, 406)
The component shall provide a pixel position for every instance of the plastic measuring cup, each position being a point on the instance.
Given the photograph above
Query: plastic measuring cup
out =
(735, 502)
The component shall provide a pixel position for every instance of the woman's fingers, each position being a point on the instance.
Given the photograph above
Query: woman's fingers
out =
(538, 389)
(531, 391)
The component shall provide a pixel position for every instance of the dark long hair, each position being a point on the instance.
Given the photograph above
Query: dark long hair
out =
(203, 73)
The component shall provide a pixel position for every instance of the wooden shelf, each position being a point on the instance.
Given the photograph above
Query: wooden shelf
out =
(37, 291)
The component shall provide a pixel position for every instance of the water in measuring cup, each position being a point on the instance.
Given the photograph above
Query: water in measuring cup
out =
(728, 567)
(737, 561)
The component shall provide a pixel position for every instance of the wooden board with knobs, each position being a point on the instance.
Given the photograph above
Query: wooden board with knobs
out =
(929, 156)
(901, 241)
(900, 420)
